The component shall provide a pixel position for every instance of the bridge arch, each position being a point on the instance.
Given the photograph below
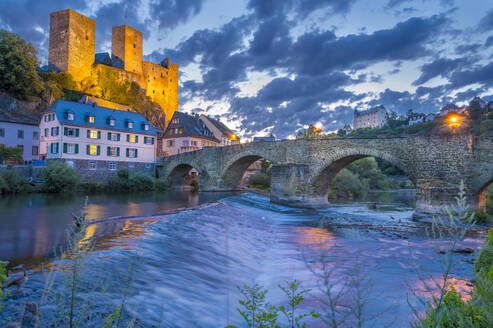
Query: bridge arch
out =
(178, 171)
(236, 166)
(336, 161)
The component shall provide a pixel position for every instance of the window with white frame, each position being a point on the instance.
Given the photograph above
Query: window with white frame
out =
(114, 136)
(113, 151)
(148, 140)
(112, 166)
(93, 134)
(130, 124)
(146, 127)
(70, 148)
(70, 116)
(93, 165)
(112, 122)
(132, 152)
(71, 132)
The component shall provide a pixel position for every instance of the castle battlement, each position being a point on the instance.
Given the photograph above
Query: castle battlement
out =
(72, 50)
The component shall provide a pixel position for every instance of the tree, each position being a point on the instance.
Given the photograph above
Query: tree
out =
(18, 64)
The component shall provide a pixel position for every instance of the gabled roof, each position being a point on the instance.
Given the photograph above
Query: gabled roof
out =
(192, 126)
(220, 126)
(101, 117)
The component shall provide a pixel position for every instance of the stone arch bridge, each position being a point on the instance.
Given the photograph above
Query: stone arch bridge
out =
(303, 169)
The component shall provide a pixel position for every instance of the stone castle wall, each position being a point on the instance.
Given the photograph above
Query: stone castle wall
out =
(72, 50)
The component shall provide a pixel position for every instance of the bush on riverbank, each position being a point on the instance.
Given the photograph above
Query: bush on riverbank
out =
(125, 182)
(12, 182)
(59, 177)
(259, 180)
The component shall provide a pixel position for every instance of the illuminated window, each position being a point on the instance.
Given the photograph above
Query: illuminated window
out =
(93, 150)
(131, 138)
(93, 134)
(91, 119)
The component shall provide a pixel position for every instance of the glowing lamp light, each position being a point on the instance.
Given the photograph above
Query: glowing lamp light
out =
(234, 137)
(454, 121)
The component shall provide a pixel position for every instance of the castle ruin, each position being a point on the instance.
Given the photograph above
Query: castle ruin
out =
(72, 50)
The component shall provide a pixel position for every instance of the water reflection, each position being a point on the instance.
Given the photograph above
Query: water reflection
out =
(32, 225)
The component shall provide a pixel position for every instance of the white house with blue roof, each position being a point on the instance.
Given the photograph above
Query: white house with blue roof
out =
(97, 141)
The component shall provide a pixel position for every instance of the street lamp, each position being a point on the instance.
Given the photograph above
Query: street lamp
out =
(454, 121)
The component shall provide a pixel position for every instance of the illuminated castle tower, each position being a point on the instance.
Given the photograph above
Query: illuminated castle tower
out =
(126, 45)
(72, 43)
(72, 39)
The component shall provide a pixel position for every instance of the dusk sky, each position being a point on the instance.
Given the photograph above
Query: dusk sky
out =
(277, 66)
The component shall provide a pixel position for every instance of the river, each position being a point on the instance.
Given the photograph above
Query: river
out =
(185, 268)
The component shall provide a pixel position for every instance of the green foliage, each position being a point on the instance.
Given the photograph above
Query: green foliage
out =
(486, 127)
(61, 85)
(195, 185)
(348, 184)
(11, 153)
(255, 310)
(361, 176)
(295, 293)
(59, 177)
(309, 134)
(91, 186)
(141, 182)
(484, 262)
(161, 185)
(14, 181)
(126, 182)
(3, 185)
(18, 64)
(259, 179)
(3, 279)
(123, 173)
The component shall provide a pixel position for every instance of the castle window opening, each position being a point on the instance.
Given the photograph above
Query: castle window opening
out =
(134, 45)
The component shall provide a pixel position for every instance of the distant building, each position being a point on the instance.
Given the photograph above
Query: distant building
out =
(375, 117)
(451, 108)
(97, 141)
(416, 118)
(220, 131)
(187, 133)
(21, 132)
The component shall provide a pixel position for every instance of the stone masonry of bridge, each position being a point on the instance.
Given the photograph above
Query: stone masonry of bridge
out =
(303, 169)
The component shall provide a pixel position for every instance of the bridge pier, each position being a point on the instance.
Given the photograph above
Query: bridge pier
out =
(290, 185)
(433, 196)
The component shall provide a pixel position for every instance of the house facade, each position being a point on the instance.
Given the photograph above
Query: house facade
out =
(372, 118)
(97, 141)
(220, 131)
(186, 133)
(23, 134)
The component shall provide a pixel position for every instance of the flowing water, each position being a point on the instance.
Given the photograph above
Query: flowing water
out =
(184, 269)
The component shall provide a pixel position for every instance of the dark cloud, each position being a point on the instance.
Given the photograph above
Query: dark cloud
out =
(441, 67)
(489, 42)
(266, 9)
(170, 13)
(486, 23)
(315, 53)
(478, 74)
